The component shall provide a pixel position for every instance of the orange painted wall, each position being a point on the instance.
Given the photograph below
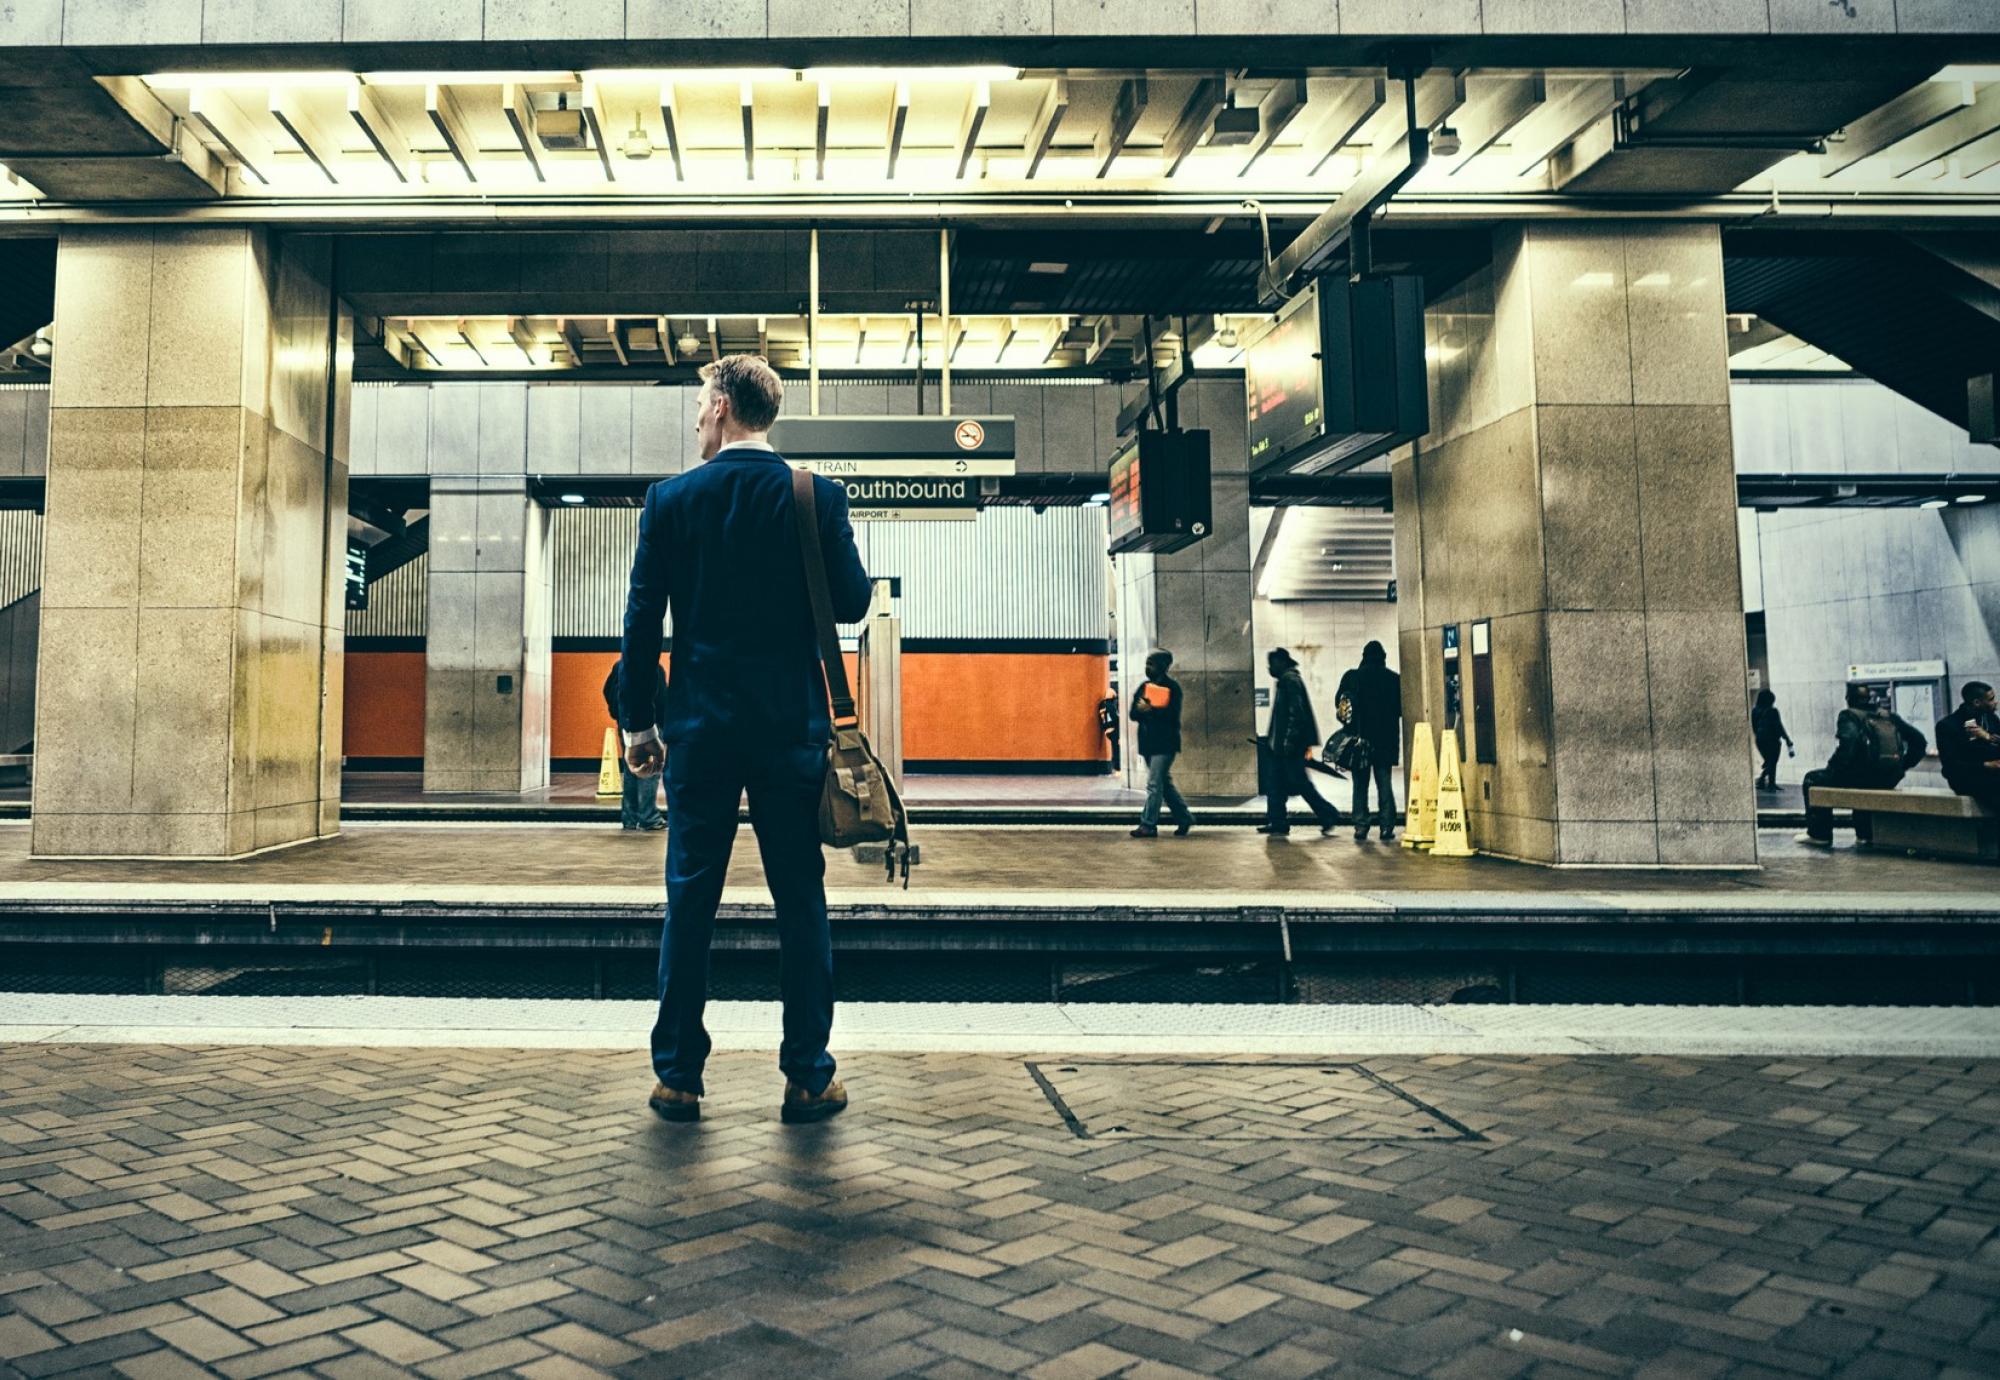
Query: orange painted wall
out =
(957, 706)
(382, 712)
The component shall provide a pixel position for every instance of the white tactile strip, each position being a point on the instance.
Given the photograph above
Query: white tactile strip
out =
(1026, 1028)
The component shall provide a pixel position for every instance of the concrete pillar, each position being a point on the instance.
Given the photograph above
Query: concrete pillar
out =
(486, 675)
(1196, 604)
(190, 668)
(1577, 489)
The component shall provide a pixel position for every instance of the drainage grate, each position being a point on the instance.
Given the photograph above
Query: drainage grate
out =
(1220, 1100)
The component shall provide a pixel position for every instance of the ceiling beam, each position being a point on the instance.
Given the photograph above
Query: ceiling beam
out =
(972, 122)
(1542, 135)
(714, 346)
(670, 117)
(305, 130)
(573, 338)
(1353, 109)
(214, 111)
(593, 115)
(617, 334)
(1486, 121)
(449, 121)
(746, 103)
(523, 338)
(465, 338)
(380, 130)
(824, 118)
(1915, 110)
(1280, 106)
(520, 113)
(667, 341)
(899, 116)
(1948, 136)
(1126, 108)
(1439, 96)
(1042, 129)
(1208, 96)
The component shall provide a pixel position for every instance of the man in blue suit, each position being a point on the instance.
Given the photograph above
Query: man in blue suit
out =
(746, 710)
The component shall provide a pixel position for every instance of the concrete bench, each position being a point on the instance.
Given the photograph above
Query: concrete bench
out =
(1922, 821)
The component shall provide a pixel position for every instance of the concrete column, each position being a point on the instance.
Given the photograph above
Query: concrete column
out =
(190, 668)
(1578, 490)
(486, 676)
(1196, 604)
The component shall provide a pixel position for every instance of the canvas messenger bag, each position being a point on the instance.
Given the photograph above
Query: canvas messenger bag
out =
(858, 801)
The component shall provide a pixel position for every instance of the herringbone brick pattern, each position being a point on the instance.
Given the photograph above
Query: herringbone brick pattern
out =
(360, 1213)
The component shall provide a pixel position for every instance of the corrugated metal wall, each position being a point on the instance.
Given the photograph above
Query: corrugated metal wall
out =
(20, 555)
(1010, 573)
(395, 603)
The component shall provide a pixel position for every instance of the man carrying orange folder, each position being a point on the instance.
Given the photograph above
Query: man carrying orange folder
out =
(1156, 708)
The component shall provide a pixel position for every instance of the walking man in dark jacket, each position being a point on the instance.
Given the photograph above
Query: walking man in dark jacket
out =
(1968, 742)
(1374, 696)
(640, 806)
(1293, 735)
(1156, 708)
(747, 710)
(1872, 751)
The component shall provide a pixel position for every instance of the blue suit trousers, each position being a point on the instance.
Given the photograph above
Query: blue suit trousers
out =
(706, 779)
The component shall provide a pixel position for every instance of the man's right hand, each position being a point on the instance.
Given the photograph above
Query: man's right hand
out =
(646, 759)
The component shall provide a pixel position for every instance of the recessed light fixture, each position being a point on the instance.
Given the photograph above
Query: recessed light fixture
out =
(1935, 503)
(1972, 498)
(572, 498)
(40, 347)
(1100, 499)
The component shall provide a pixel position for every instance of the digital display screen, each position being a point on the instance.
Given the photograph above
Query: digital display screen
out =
(1284, 380)
(357, 577)
(1127, 514)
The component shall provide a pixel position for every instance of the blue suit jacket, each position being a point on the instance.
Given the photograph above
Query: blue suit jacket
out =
(718, 545)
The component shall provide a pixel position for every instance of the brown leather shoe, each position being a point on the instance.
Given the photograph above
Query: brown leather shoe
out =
(671, 1104)
(801, 1105)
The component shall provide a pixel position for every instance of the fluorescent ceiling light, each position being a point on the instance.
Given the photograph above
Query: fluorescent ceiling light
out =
(572, 498)
(1934, 503)
(180, 81)
(1972, 498)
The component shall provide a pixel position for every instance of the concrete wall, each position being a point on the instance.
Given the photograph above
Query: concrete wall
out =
(567, 428)
(1326, 635)
(189, 23)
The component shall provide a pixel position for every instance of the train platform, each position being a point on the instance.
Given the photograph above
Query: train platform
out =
(562, 911)
(186, 1208)
(933, 798)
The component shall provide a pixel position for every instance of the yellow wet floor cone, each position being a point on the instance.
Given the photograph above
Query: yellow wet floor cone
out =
(1452, 839)
(1420, 817)
(609, 786)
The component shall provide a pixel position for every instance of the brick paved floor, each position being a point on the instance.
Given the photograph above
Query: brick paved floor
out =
(172, 1212)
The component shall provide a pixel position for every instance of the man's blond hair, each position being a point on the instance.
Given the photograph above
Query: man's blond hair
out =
(752, 386)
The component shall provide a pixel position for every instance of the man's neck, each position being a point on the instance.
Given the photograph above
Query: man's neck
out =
(745, 440)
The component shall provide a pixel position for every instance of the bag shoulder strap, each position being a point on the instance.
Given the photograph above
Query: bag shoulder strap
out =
(805, 511)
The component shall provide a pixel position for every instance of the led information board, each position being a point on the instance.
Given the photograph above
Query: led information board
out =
(357, 577)
(1338, 377)
(1159, 492)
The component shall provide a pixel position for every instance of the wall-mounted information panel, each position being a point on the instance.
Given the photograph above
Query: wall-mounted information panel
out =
(1159, 492)
(1338, 377)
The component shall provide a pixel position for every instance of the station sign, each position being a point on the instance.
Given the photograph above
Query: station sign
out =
(910, 498)
(1896, 670)
(882, 467)
(885, 439)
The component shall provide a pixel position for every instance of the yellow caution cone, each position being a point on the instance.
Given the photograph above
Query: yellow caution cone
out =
(609, 784)
(1420, 785)
(1453, 839)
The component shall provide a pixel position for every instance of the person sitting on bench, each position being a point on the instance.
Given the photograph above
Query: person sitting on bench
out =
(1874, 749)
(1968, 742)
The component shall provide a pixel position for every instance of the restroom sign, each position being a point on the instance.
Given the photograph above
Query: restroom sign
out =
(970, 435)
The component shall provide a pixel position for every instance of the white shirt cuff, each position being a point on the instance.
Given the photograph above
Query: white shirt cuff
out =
(644, 735)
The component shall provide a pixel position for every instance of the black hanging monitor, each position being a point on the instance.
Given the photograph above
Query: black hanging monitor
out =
(1337, 378)
(1159, 492)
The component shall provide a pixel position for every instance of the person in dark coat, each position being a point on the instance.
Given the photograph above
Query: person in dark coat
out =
(1156, 708)
(1873, 750)
(1767, 729)
(1293, 735)
(639, 808)
(1374, 696)
(747, 712)
(1968, 743)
